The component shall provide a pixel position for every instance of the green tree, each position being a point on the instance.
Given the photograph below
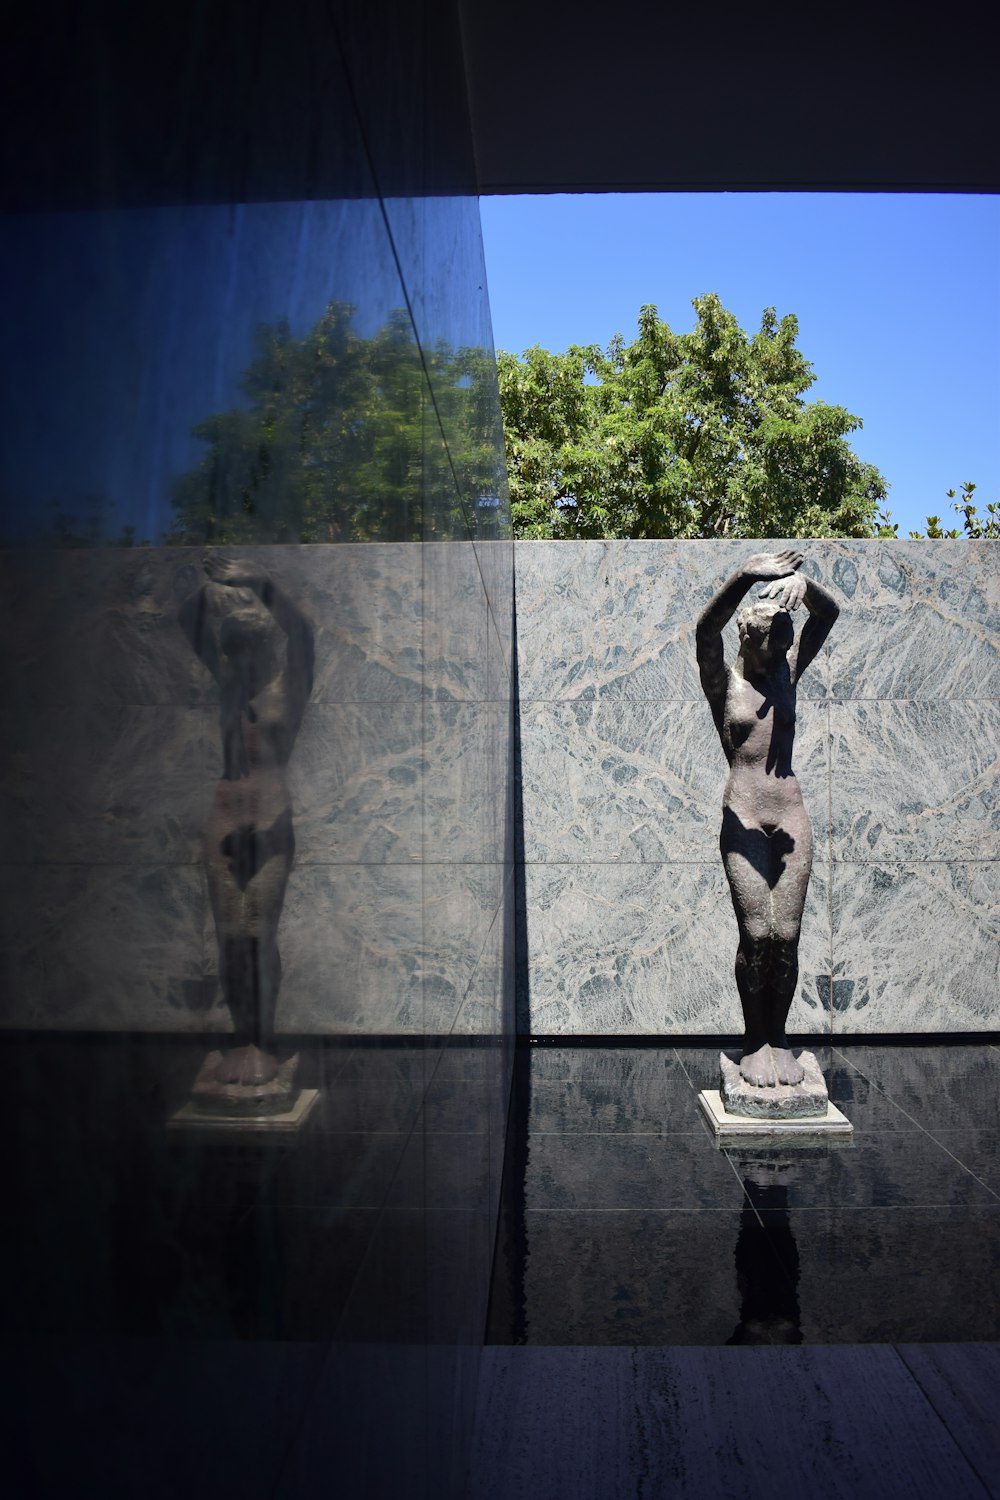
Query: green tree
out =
(700, 434)
(335, 440)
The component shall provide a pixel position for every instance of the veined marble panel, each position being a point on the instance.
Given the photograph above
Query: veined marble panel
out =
(650, 950)
(454, 622)
(915, 780)
(498, 684)
(916, 946)
(351, 949)
(101, 624)
(461, 903)
(365, 603)
(381, 948)
(640, 781)
(115, 948)
(617, 619)
(106, 621)
(920, 619)
(496, 563)
(356, 779)
(482, 1008)
(113, 785)
(463, 788)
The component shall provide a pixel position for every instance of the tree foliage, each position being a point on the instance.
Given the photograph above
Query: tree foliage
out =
(700, 434)
(974, 526)
(339, 440)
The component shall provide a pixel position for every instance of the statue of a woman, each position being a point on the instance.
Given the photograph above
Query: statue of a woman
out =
(766, 839)
(259, 649)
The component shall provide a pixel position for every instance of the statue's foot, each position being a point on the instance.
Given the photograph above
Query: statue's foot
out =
(758, 1068)
(246, 1065)
(787, 1065)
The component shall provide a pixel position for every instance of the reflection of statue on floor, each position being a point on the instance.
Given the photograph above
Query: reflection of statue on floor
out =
(766, 839)
(767, 1269)
(259, 649)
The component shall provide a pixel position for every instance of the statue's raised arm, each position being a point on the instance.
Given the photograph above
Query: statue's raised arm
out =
(719, 611)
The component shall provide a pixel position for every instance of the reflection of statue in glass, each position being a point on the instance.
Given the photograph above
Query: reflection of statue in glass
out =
(766, 839)
(259, 649)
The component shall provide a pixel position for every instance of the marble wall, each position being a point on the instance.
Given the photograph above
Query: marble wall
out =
(398, 780)
(629, 925)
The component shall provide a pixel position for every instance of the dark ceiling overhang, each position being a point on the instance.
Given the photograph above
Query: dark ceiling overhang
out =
(128, 102)
(663, 96)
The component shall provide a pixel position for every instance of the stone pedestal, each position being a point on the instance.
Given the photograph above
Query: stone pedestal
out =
(240, 1127)
(244, 1100)
(781, 1101)
(783, 1112)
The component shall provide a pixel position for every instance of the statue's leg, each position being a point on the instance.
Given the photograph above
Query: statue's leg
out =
(247, 874)
(793, 849)
(744, 857)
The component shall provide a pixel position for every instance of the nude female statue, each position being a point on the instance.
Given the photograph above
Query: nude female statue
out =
(766, 840)
(259, 649)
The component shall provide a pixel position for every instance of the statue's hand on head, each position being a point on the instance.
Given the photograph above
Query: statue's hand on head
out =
(787, 593)
(766, 565)
(230, 570)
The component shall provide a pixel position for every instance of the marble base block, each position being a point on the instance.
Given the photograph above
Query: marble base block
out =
(238, 1100)
(190, 1118)
(803, 1131)
(782, 1101)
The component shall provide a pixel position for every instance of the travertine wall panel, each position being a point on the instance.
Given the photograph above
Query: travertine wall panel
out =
(628, 918)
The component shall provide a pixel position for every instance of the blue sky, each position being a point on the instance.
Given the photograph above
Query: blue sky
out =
(897, 296)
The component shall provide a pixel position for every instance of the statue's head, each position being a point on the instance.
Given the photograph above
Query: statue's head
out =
(765, 627)
(249, 640)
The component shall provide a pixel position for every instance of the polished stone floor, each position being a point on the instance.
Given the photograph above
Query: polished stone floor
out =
(624, 1224)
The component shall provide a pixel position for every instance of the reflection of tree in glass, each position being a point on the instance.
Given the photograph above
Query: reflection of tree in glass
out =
(340, 441)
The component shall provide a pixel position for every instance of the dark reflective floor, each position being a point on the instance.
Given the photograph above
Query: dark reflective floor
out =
(113, 1225)
(623, 1223)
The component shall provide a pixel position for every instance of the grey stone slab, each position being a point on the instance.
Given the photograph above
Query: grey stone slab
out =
(880, 1275)
(915, 780)
(351, 942)
(482, 1010)
(649, 949)
(182, 1405)
(902, 1169)
(464, 786)
(357, 781)
(942, 1087)
(637, 781)
(576, 1172)
(583, 1424)
(654, 1104)
(617, 619)
(107, 948)
(919, 620)
(454, 623)
(627, 1070)
(627, 1277)
(976, 1150)
(916, 946)
(380, 948)
(496, 563)
(498, 655)
(131, 784)
(960, 1381)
